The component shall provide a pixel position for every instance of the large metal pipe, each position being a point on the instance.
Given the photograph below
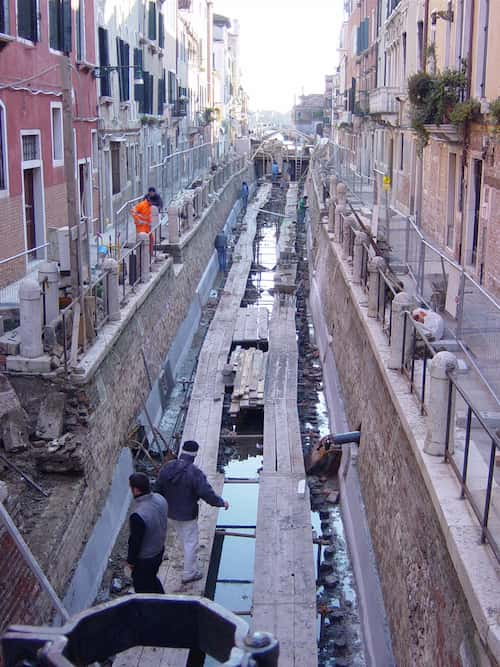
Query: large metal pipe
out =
(345, 438)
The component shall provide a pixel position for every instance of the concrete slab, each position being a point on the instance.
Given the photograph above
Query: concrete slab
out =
(26, 365)
(10, 343)
(14, 431)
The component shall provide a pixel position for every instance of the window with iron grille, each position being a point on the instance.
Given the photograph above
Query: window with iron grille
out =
(27, 22)
(152, 20)
(123, 59)
(114, 147)
(3, 151)
(104, 61)
(60, 25)
(30, 147)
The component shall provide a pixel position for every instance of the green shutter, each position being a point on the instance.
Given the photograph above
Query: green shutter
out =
(161, 31)
(138, 88)
(66, 25)
(152, 20)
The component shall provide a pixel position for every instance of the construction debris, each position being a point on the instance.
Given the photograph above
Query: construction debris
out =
(51, 416)
(63, 455)
(252, 325)
(13, 419)
(249, 367)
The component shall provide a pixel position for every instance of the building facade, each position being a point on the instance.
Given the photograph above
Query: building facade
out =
(37, 40)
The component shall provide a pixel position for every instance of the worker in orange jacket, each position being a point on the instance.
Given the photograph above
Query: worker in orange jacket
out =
(143, 218)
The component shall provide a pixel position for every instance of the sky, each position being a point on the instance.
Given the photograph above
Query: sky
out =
(287, 47)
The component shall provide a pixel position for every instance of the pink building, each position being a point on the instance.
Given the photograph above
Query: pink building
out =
(34, 37)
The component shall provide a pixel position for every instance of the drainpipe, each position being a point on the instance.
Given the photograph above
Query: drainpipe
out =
(485, 59)
(426, 29)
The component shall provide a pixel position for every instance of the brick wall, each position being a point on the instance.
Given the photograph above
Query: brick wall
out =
(113, 397)
(12, 239)
(425, 604)
(56, 206)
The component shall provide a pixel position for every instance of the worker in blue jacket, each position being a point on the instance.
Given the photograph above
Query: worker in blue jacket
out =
(183, 484)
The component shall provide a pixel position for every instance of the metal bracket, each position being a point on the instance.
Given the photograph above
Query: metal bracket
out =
(167, 621)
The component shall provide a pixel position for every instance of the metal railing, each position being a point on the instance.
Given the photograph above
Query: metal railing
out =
(14, 269)
(476, 476)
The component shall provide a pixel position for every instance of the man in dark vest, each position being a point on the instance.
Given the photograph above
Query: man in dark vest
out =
(148, 530)
(183, 484)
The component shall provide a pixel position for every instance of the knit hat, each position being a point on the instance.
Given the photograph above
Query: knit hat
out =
(190, 447)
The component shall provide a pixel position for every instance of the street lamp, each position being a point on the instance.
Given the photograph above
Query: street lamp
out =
(103, 70)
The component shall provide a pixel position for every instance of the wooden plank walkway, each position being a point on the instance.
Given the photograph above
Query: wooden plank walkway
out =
(284, 596)
(252, 326)
(203, 423)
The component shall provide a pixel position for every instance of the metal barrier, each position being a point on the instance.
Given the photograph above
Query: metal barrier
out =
(481, 491)
(14, 269)
(162, 621)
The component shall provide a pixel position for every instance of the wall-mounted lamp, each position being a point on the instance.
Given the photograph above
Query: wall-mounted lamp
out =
(102, 70)
(445, 14)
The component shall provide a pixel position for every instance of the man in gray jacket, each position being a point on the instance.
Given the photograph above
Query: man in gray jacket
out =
(183, 484)
(148, 530)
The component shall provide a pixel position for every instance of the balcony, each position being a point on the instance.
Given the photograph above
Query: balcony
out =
(383, 100)
(179, 109)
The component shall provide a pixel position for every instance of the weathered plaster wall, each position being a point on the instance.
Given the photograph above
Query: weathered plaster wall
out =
(425, 603)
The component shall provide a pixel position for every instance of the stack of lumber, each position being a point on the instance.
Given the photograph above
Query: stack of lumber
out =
(252, 325)
(248, 388)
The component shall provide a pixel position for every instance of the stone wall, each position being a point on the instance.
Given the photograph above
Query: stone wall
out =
(429, 617)
(110, 393)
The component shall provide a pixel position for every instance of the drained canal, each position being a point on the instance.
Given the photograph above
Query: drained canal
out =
(231, 572)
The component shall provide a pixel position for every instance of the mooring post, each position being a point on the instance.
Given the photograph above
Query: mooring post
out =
(440, 409)
(360, 239)
(402, 302)
(110, 265)
(145, 265)
(30, 310)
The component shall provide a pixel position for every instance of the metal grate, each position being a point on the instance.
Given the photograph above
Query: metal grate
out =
(30, 147)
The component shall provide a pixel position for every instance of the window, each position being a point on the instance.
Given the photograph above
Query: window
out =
(4, 16)
(94, 150)
(31, 149)
(161, 31)
(104, 61)
(27, 23)
(80, 30)
(162, 93)
(402, 153)
(420, 44)
(60, 25)
(57, 133)
(147, 101)
(152, 20)
(138, 87)
(115, 166)
(452, 181)
(403, 42)
(172, 87)
(3, 150)
(123, 59)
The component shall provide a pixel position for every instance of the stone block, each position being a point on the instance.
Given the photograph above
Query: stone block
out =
(10, 343)
(15, 431)
(63, 455)
(9, 400)
(4, 492)
(26, 365)
(51, 416)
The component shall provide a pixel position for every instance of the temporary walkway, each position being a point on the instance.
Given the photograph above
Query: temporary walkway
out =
(203, 424)
(284, 597)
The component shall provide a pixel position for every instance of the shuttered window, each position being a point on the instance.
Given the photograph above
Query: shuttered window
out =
(115, 166)
(172, 87)
(104, 61)
(123, 60)
(27, 23)
(162, 93)
(147, 102)
(152, 20)
(4, 16)
(161, 30)
(60, 25)
(138, 88)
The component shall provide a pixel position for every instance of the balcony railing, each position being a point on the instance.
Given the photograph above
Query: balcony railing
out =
(179, 109)
(384, 100)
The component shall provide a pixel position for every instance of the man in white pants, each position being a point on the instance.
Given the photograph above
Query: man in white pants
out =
(183, 484)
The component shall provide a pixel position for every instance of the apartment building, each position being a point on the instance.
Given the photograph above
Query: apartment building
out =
(36, 40)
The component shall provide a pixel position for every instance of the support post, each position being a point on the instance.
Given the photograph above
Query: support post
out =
(360, 239)
(439, 404)
(400, 303)
(113, 289)
(346, 240)
(375, 266)
(145, 265)
(173, 225)
(331, 216)
(30, 308)
(48, 273)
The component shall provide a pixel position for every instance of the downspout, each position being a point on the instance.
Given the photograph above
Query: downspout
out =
(420, 161)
